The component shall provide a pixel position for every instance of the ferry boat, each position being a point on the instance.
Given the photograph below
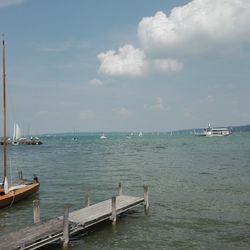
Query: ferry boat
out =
(211, 132)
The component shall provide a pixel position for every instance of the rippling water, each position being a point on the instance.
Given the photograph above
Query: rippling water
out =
(199, 188)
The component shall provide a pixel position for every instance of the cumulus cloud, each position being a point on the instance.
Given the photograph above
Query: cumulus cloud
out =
(157, 106)
(122, 112)
(95, 82)
(198, 26)
(128, 61)
(4, 3)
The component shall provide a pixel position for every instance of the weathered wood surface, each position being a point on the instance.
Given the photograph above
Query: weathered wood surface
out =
(29, 235)
(101, 211)
(43, 233)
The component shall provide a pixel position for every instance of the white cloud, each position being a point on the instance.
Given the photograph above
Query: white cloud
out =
(122, 112)
(86, 115)
(157, 106)
(95, 82)
(4, 3)
(198, 26)
(128, 61)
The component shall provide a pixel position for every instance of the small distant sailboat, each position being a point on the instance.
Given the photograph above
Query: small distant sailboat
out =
(16, 134)
(23, 188)
(103, 136)
(140, 134)
(74, 138)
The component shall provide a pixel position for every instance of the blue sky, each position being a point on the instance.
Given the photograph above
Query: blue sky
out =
(116, 65)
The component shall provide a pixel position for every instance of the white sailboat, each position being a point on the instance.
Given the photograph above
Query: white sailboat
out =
(103, 136)
(23, 188)
(16, 134)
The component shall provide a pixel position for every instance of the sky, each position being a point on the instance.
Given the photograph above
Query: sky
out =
(134, 65)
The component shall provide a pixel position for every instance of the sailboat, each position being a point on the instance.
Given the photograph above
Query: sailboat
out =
(16, 134)
(17, 139)
(22, 188)
(103, 136)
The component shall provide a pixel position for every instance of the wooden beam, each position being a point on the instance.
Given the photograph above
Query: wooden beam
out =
(66, 226)
(113, 207)
(87, 198)
(36, 211)
(120, 188)
(146, 198)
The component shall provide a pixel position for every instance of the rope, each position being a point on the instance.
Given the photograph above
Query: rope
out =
(13, 198)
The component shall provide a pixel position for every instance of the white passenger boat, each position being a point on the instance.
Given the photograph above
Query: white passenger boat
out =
(211, 132)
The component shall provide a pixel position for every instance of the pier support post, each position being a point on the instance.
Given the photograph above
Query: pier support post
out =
(20, 175)
(120, 189)
(87, 198)
(66, 226)
(36, 211)
(146, 199)
(113, 206)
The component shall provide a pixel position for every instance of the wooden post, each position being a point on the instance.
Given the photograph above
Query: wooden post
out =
(120, 189)
(66, 226)
(146, 200)
(20, 175)
(113, 206)
(36, 211)
(87, 198)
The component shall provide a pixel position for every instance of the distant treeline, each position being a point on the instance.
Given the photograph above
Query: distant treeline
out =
(245, 128)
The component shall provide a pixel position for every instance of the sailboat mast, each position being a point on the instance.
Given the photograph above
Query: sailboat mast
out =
(4, 115)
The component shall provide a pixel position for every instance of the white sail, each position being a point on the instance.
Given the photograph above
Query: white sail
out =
(6, 185)
(17, 132)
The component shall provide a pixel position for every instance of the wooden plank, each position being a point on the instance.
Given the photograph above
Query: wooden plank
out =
(103, 210)
(43, 233)
(30, 234)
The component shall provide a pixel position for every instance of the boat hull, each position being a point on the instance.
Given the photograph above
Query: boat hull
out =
(18, 194)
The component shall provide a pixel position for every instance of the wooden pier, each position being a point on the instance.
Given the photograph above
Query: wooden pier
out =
(60, 229)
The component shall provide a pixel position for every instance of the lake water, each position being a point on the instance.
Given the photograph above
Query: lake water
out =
(199, 188)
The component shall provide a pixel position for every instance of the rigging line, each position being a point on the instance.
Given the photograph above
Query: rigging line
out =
(11, 179)
(12, 112)
(13, 199)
